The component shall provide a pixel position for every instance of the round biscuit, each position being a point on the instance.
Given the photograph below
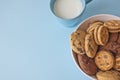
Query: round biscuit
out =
(104, 60)
(112, 24)
(103, 35)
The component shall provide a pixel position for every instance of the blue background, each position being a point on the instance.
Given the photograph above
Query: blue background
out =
(34, 45)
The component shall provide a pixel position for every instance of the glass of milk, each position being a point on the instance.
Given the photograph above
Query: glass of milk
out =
(68, 12)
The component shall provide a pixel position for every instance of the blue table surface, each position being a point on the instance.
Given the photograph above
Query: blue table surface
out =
(34, 45)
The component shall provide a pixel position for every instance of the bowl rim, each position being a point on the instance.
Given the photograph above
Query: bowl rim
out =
(97, 15)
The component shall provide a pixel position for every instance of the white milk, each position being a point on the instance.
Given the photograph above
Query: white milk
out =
(68, 9)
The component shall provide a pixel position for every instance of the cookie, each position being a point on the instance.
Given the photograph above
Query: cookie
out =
(118, 51)
(93, 25)
(113, 25)
(87, 64)
(118, 40)
(104, 60)
(103, 35)
(117, 64)
(113, 36)
(108, 75)
(110, 46)
(90, 46)
(96, 35)
(117, 60)
(114, 30)
(77, 41)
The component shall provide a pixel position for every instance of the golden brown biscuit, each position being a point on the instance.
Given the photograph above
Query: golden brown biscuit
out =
(114, 30)
(93, 25)
(77, 41)
(103, 35)
(113, 25)
(104, 60)
(117, 64)
(96, 35)
(117, 60)
(87, 64)
(113, 36)
(108, 75)
(90, 46)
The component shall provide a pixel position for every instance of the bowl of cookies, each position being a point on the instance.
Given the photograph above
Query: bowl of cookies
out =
(95, 46)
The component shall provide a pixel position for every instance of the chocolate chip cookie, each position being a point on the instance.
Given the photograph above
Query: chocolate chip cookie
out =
(110, 46)
(77, 41)
(113, 37)
(118, 40)
(104, 60)
(90, 46)
(87, 64)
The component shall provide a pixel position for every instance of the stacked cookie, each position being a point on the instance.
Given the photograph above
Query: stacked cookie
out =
(98, 49)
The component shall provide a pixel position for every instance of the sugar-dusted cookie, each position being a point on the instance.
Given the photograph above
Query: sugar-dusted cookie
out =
(103, 35)
(108, 75)
(87, 64)
(90, 46)
(104, 60)
(113, 25)
(93, 25)
(77, 41)
(113, 36)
